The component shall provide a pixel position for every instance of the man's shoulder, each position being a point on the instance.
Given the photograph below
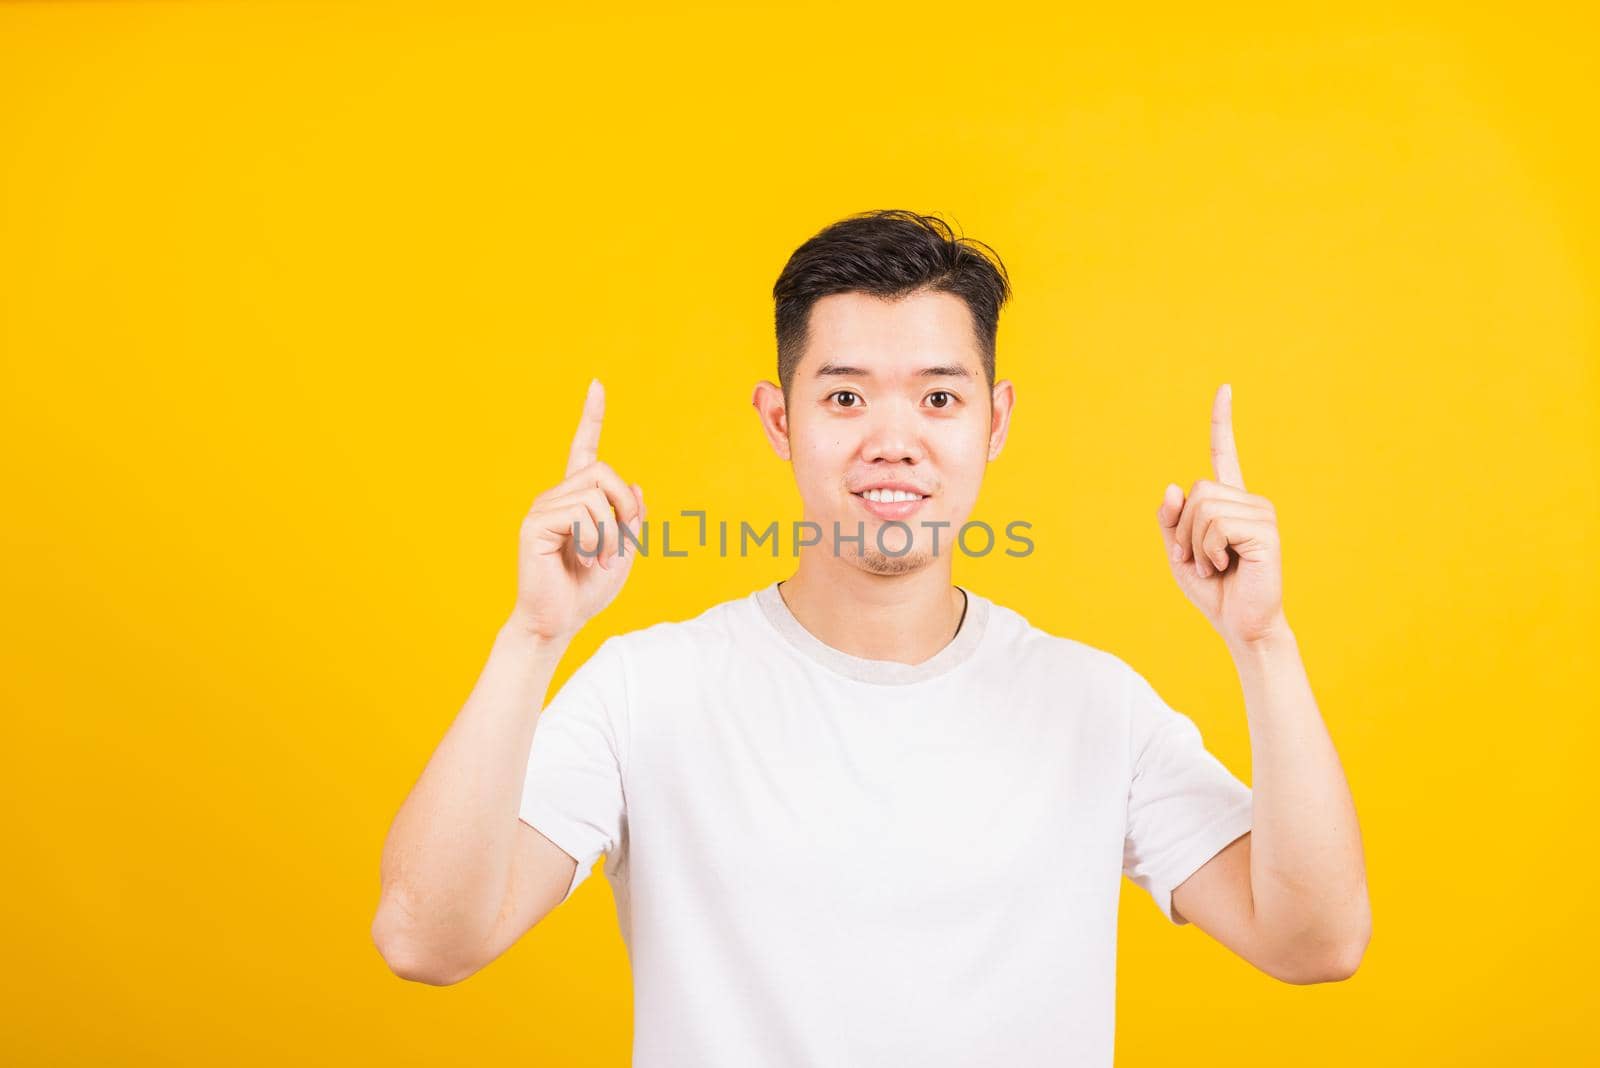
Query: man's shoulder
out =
(1028, 646)
(677, 641)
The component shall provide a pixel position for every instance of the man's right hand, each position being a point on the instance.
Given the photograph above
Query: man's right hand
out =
(560, 589)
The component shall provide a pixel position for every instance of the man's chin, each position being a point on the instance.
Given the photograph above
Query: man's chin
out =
(878, 563)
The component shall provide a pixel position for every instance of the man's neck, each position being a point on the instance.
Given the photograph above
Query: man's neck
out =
(903, 618)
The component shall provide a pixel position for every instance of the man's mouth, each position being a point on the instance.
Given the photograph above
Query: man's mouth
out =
(890, 503)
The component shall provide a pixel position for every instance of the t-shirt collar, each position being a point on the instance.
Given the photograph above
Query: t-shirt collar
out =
(886, 672)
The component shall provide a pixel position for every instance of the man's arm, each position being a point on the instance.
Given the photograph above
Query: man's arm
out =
(1291, 896)
(463, 878)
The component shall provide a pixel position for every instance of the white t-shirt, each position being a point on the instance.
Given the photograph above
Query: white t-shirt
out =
(821, 860)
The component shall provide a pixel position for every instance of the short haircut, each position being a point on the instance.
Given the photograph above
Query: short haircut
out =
(889, 254)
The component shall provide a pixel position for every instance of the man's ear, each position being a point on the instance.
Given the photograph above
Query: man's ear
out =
(1001, 399)
(774, 412)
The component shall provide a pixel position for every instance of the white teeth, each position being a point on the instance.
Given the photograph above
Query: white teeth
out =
(883, 496)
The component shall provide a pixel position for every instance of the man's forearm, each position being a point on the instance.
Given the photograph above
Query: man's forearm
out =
(448, 854)
(1307, 872)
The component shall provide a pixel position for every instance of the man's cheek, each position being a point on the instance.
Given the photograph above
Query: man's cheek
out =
(822, 459)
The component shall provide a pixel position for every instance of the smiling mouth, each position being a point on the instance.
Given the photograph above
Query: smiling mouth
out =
(890, 496)
(891, 504)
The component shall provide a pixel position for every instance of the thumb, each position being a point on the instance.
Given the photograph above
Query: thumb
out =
(1169, 513)
(631, 544)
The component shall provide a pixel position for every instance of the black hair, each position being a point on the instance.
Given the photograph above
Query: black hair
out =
(889, 254)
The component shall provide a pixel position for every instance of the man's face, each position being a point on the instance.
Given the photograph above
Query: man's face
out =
(889, 401)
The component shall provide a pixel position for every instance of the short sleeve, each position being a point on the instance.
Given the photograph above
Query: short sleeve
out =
(1184, 806)
(572, 789)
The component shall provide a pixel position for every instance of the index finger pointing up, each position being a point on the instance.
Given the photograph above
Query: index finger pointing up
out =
(586, 442)
(1224, 457)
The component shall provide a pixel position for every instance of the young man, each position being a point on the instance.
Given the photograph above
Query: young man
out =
(863, 816)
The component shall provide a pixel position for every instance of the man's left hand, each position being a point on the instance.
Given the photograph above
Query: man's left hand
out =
(1222, 543)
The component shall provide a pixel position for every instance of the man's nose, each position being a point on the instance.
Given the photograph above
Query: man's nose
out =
(893, 436)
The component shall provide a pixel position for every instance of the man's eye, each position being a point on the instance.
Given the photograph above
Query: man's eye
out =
(949, 398)
(845, 393)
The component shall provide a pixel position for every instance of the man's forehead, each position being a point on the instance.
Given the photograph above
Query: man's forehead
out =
(926, 334)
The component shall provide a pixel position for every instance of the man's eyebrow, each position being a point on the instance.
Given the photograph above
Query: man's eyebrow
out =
(938, 371)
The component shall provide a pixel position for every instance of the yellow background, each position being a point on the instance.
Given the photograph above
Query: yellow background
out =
(298, 303)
